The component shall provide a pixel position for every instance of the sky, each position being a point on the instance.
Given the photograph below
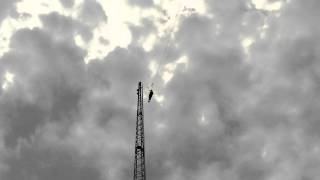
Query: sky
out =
(236, 89)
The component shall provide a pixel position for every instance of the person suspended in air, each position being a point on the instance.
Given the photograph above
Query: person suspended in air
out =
(150, 95)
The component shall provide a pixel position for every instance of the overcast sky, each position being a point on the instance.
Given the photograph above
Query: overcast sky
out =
(236, 83)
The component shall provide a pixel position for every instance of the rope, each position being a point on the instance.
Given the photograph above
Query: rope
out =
(165, 53)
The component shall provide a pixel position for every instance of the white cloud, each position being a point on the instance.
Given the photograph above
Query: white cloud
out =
(167, 76)
(169, 68)
(246, 44)
(116, 30)
(149, 43)
(153, 67)
(29, 11)
(118, 36)
(159, 98)
(8, 80)
(269, 6)
(79, 41)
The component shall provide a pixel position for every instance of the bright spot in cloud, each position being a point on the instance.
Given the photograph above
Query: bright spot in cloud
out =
(8, 80)
(269, 151)
(171, 67)
(159, 99)
(263, 30)
(153, 66)
(269, 6)
(149, 43)
(118, 36)
(79, 41)
(167, 76)
(203, 121)
(160, 127)
(116, 30)
(246, 44)
(183, 60)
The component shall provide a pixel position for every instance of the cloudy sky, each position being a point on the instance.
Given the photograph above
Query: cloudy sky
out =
(236, 82)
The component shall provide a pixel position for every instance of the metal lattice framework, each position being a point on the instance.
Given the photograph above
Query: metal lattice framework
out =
(139, 157)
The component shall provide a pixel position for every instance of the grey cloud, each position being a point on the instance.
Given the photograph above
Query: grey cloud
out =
(21, 119)
(217, 74)
(67, 3)
(7, 8)
(104, 41)
(34, 162)
(46, 87)
(229, 15)
(92, 13)
(142, 3)
(51, 72)
(294, 59)
(143, 30)
(49, 85)
(261, 114)
(252, 171)
(286, 66)
(64, 27)
(213, 84)
(122, 69)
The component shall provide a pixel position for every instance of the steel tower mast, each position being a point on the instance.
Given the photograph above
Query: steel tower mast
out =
(139, 153)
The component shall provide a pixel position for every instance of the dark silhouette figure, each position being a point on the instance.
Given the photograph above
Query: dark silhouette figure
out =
(150, 95)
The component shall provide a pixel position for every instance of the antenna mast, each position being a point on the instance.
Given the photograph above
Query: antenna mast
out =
(139, 153)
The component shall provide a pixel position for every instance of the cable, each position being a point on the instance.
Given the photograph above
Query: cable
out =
(165, 53)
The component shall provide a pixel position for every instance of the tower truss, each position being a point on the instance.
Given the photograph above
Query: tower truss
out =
(139, 153)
